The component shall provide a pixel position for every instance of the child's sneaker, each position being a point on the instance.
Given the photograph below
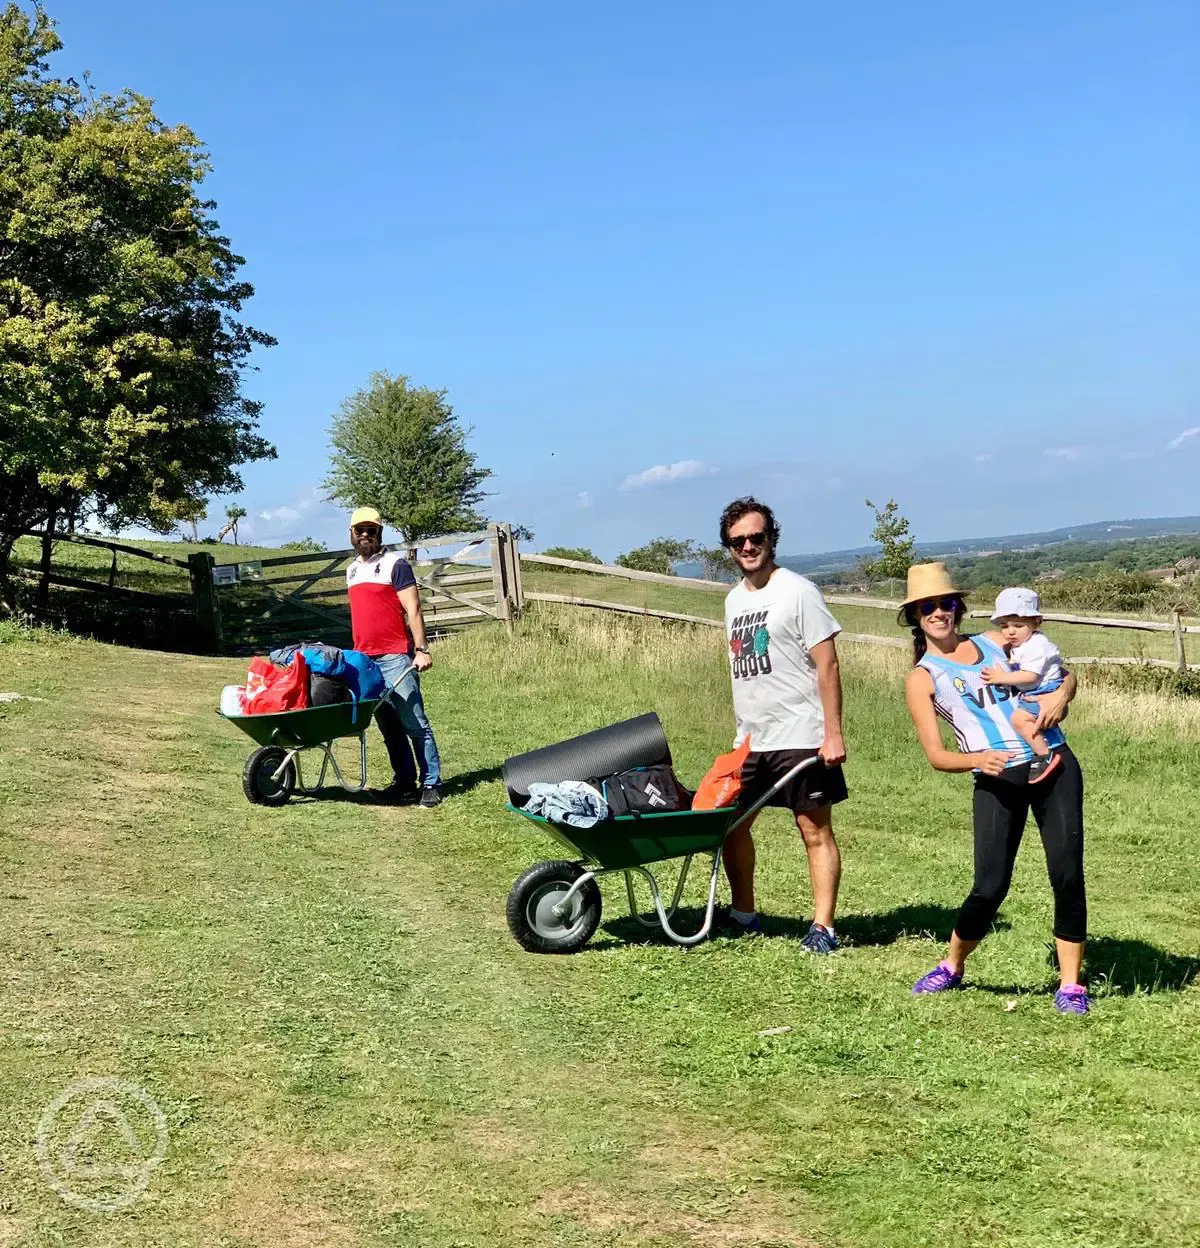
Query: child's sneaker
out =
(1040, 768)
(1071, 999)
(939, 979)
(819, 939)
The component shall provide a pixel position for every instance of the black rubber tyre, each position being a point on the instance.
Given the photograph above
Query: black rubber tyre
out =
(530, 916)
(257, 782)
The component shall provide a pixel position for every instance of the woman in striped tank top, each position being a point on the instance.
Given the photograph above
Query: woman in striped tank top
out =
(947, 683)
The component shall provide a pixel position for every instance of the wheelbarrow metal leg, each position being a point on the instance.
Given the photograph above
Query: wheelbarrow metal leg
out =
(665, 922)
(635, 910)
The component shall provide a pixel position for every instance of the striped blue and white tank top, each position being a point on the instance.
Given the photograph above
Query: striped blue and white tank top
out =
(981, 715)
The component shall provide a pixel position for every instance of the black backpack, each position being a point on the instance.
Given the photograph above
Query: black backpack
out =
(644, 791)
(327, 690)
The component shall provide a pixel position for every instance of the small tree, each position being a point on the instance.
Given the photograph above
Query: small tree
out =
(892, 533)
(659, 555)
(717, 562)
(399, 448)
(193, 515)
(581, 554)
(233, 515)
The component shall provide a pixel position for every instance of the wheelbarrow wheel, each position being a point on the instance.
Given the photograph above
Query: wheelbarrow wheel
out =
(258, 778)
(531, 917)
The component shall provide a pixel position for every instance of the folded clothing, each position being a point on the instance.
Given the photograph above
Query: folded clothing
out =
(573, 802)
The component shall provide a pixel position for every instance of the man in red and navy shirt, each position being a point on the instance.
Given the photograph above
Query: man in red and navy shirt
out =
(385, 615)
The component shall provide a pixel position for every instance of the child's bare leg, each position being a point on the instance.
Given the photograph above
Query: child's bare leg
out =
(1025, 724)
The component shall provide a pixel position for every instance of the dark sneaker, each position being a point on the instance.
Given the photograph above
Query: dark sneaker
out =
(819, 939)
(939, 979)
(724, 924)
(431, 796)
(397, 795)
(1071, 999)
(1040, 768)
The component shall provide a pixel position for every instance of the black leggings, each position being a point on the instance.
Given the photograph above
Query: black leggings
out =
(1001, 808)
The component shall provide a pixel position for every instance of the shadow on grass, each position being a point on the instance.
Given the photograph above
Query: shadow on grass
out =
(453, 786)
(931, 921)
(1126, 967)
(1115, 968)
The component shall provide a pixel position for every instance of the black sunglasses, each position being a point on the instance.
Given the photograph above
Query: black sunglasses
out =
(930, 605)
(360, 529)
(750, 539)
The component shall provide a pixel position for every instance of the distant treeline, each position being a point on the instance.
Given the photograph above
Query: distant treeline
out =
(1073, 560)
(1101, 576)
(1065, 560)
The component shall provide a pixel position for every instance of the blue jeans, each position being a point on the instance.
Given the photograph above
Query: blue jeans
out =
(405, 726)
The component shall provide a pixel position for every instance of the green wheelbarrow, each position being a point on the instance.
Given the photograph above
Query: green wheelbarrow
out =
(555, 907)
(274, 772)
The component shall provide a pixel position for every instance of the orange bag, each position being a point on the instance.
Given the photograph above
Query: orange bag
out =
(721, 786)
(270, 689)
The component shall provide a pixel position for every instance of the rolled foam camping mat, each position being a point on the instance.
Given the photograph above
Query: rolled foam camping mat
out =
(638, 742)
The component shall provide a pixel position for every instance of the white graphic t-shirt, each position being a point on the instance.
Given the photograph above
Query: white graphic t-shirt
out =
(771, 632)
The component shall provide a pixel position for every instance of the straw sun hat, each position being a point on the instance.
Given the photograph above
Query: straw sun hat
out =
(928, 580)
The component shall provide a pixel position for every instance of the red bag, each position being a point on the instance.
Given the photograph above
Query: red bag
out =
(723, 783)
(270, 689)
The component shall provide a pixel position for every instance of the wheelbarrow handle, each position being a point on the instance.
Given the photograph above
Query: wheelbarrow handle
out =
(751, 811)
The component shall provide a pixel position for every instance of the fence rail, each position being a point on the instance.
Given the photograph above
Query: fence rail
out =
(1175, 626)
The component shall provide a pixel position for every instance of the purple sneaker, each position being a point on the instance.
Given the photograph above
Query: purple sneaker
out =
(938, 980)
(1071, 999)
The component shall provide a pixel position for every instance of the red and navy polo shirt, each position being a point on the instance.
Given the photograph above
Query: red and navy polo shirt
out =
(378, 620)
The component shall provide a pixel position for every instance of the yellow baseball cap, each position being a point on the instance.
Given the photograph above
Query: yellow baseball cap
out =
(366, 515)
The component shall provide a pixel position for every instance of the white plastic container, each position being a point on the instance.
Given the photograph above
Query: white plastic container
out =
(233, 700)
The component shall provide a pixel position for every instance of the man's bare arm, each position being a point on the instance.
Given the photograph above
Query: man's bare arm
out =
(829, 685)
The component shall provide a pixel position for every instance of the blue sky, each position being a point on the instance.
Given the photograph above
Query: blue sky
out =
(662, 254)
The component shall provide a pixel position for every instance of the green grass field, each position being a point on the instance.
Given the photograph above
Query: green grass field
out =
(349, 1048)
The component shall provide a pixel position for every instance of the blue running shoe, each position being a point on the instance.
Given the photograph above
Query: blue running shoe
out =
(724, 924)
(939, 979)
(1071, 999)
(819, 939)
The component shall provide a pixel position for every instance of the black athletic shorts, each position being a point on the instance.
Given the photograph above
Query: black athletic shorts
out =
(813, 788)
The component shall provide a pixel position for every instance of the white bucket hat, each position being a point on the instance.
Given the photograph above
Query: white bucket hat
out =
(1023, 603)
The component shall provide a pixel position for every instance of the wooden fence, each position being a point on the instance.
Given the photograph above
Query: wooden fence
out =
(1176, 626)
(251, 607)
(96, 602)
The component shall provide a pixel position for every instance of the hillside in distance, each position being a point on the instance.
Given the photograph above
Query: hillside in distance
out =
(1108, 531)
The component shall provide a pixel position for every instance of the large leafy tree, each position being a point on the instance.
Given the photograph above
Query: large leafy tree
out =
(121, 355)
(400, 448)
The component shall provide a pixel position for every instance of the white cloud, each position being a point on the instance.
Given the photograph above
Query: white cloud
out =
(982, 459)
(584, 499)
(281, 515)
(1063, 452)
(1138, 455)
(664, 474)
(1176, 443)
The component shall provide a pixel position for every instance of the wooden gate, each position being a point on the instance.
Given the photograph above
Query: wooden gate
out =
(250, 608)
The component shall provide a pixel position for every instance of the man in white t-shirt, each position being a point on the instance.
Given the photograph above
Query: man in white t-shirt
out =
(787, 698)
